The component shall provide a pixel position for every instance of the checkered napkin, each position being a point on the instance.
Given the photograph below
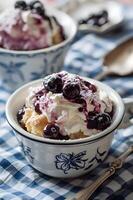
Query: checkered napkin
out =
(19, 181)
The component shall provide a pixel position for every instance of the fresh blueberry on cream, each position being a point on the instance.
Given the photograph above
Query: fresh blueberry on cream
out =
(53, 84)
(52, 131)
(71, 90)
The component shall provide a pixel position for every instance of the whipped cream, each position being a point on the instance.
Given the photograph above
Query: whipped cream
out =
(66, 113)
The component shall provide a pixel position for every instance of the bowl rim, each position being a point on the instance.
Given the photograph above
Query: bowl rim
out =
(68, 39)
(93, 138)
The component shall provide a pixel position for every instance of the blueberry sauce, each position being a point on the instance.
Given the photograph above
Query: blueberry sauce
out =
(92, 120)
(40, 93)
(83, 107)
(20, 114)
(90, 86)
(36, 103)
(37, 107)
(96, 105)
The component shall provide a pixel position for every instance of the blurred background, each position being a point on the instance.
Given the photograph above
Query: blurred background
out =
(66, 5)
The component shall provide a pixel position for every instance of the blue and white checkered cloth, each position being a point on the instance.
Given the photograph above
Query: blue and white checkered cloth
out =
(19, 181)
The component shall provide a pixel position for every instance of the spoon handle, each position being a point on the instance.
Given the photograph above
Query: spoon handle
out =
(102, 75)
(86, 193)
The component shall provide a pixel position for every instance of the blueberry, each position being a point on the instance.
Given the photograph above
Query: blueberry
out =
(64, 137)
(98, 19)
(82, 21)
(80, 100)
(92, 120)
(53, 84)
(52, 131)
(81, 109)
(102, 18)
(98, 121)
(35, 4)
(92, 21)
(20, 114)
(88, 20)
(103, 121)
(101, 21)
(71, 91)
(37, 7)
(21, 5)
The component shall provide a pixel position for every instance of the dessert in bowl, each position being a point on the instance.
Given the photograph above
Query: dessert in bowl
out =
(34, 41)
(65, 106)
(65, 122)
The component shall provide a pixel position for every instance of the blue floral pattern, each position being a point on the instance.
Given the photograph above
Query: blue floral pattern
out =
(65, 162)
(27, 152)
(98, 158)
(13, 71)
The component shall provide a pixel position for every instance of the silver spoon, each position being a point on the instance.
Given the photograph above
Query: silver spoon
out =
(119, 61)
(86, 193)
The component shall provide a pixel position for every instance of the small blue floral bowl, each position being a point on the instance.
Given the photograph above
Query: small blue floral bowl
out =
(64, 158)
(20, 67)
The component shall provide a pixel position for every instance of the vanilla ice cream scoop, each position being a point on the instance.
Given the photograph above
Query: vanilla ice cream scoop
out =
(72, 107)
(29, 27)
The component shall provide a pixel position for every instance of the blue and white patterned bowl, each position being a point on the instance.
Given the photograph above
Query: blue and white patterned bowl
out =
(58, 158)
(19, 67)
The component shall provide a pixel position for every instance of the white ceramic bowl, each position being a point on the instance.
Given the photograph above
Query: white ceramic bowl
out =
(70, 158)
(20, 67)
